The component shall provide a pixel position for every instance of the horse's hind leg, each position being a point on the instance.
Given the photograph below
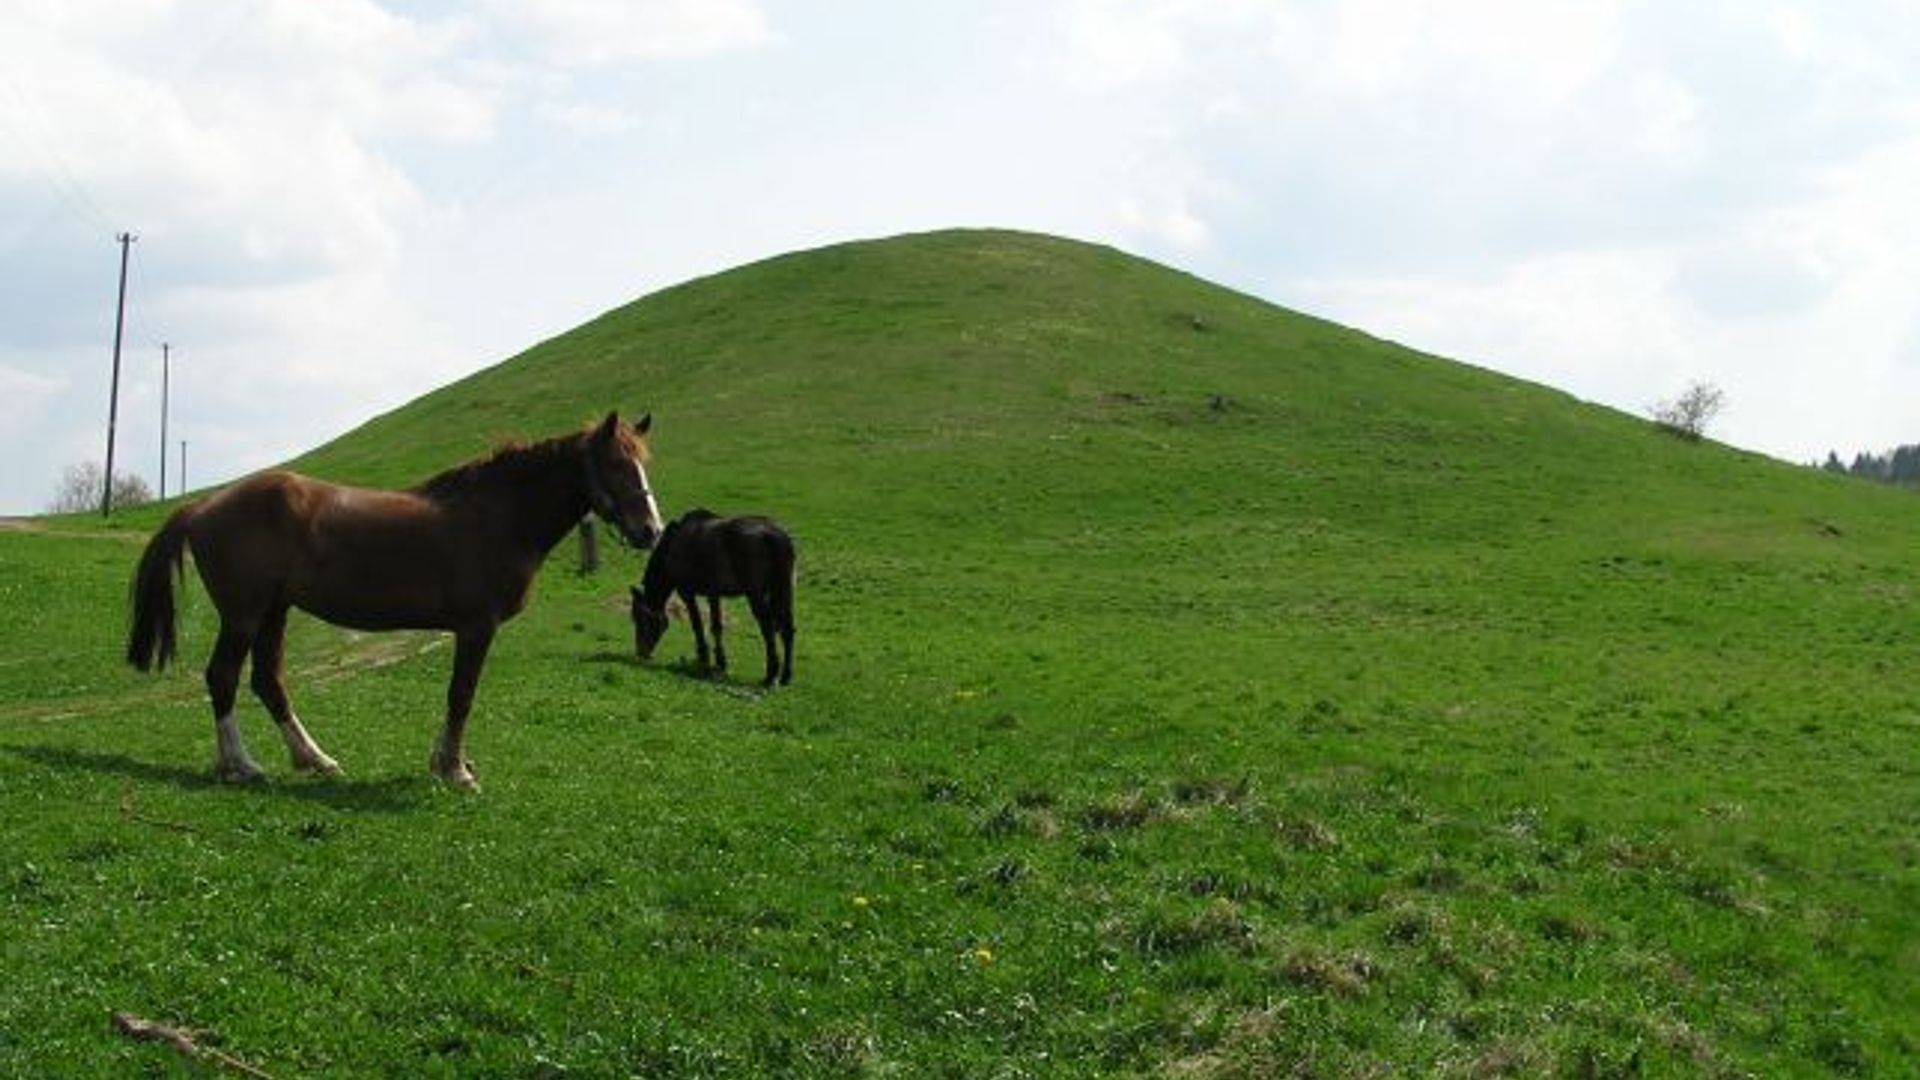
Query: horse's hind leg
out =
(231, 762)
(783, 615)
(270, 686)
(763, 615)
(786, 644)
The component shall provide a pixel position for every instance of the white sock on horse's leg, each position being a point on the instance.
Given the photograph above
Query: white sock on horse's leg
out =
(231, 761)
(449, 761)
(307, 755)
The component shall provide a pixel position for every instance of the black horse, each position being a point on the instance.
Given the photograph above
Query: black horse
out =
(703, 554)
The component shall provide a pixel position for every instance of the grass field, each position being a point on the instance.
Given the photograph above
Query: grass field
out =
(1183, 687)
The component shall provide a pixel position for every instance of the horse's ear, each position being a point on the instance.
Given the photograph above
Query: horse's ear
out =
(645, 424)
(608, 426)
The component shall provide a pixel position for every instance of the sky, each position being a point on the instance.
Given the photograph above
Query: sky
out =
(342, 204)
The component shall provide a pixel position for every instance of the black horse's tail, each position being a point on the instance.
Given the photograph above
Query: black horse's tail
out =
(780, 586)
(151, 640)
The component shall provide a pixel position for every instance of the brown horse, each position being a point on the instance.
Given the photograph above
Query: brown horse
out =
(456, 553)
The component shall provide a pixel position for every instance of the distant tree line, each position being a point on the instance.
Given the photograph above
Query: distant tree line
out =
(1900, 465)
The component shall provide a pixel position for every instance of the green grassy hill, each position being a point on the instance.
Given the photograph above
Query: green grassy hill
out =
(1184, 686)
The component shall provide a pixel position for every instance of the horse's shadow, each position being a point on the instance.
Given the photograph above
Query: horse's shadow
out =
(610, 658)
(686, 668)
(693, 671)
(390, 795)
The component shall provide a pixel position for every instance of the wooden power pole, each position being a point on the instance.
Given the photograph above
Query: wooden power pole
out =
(113, 401)
(166, 368)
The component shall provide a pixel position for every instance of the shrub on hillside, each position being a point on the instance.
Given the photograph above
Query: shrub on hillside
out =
(1689, 414)
(80, 489)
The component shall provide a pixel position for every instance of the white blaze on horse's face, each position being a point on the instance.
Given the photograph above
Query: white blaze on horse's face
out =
(655, 526)
(617, 486)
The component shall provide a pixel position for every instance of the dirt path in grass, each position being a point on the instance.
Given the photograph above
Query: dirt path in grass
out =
(358, 653)
(39, 527)
(344, 655)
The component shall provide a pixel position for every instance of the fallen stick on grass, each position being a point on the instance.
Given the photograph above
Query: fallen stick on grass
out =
(140, 1030)
(128, 811)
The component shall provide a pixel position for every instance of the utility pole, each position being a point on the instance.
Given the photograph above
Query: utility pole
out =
(166, 367)
(113, 402)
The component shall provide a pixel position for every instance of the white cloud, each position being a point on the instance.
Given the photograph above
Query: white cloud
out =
(257, 157)
(342, 203)
(266, 157)
(1115, 45)
(1807, 313)
(1168, 223)
(1600, 324)
(1544, 50)
(590, 119)
(373, 71)
(24, 397)
(590, 33)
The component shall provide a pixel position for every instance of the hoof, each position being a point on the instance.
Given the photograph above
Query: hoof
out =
(457, 774)
(244, 773)
(320, 766)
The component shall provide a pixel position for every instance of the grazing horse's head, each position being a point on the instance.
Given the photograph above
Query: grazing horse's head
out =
(617, 486)
(649, 623)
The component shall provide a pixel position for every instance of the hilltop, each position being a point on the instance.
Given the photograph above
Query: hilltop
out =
(1032, 377)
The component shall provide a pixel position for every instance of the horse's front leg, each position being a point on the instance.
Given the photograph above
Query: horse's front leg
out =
(449, 761)
(692, 603)
(719, 634)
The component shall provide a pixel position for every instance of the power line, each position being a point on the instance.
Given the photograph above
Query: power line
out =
(48, 162)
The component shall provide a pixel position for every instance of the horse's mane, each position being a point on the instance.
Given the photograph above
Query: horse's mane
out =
(508, 464)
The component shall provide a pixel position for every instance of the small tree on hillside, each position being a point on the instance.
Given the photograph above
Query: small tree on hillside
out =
(1689, 414)
(80, 487)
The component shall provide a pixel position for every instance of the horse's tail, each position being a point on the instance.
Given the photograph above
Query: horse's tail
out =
(150, 642)
(780, 546)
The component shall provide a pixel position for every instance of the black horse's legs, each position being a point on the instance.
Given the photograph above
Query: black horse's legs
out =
(763, 615)
(692, 604)
(719, 634)
(786, 643)
(269, 685)
(449, 761)
(782, 601)
(231, 761)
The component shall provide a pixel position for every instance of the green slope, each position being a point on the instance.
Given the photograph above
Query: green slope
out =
(1210, 502)
(1185, 685)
